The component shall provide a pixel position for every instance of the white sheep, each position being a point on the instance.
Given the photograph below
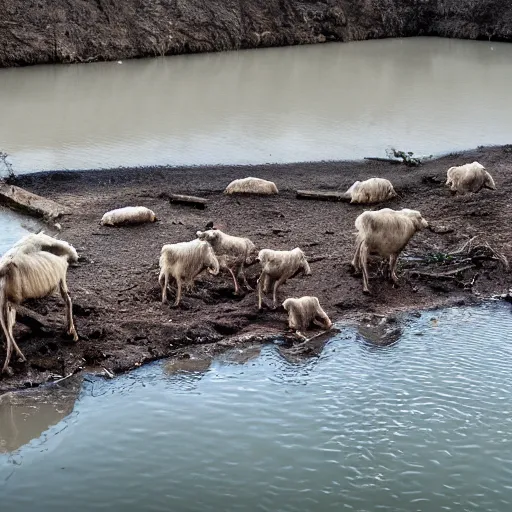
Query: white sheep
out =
(373, 190)
(469, 178)
(128, 215)
(251, 186)
(384, 232)
(279, 266)
(232, 252)
(304, 311)
(184, 261)
(33, 268)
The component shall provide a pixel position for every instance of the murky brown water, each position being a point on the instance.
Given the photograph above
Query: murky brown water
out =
(320, 102)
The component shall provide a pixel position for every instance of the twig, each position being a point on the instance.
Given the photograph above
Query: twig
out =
(442, 275)
(63, 378)
(128, 289)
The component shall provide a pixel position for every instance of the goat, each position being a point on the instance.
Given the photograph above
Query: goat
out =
(251, 186)
(373, 190)
(304, 311)
(469, 178)
(128, 215)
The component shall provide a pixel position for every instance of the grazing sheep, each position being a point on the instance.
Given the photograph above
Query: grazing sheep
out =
(251, 186)
(184, 261)
(384, 232)
(373, 190)
(279, 266)
(232, 252)
(128, 215)
(469, 178)
(304, 311)
(33, 268)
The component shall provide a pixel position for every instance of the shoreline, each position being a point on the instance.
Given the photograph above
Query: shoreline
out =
(115, 291)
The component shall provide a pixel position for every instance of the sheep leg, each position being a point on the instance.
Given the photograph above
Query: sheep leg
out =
(277, 284)
(393, 260)
(164, 283)
(364, 265)
(237, 288)
(322, 321)
(241, 273)
(356, 261)
(10, 326)
(5, 320)
(261, 281)
(178, 292)
(69, 309)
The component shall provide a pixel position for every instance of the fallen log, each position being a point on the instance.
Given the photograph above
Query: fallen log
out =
(34, 320)
(323, 196)
(21, 199)
(196, 202)
(382, 159)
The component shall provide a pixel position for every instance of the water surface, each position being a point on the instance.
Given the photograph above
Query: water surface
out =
(421, 425)
(319, 102)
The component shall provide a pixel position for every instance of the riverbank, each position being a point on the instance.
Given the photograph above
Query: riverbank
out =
(59, 31)
(115, 290)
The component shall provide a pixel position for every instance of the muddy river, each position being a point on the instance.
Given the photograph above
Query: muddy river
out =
(322, 102)
(423, 424)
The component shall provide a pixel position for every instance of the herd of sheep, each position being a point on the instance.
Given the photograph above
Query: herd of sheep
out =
(36, 266)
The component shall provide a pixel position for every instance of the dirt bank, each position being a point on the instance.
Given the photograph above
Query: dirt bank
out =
(115, 290)
(49, 31)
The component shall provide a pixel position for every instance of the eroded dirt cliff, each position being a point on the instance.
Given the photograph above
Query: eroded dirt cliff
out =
(46, 31)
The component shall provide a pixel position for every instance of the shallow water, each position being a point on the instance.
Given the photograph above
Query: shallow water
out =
(318, 102)
(13, 226)
(421, 425)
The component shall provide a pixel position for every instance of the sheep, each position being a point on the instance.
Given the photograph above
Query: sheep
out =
(33, 268)
(469, 178)
(251, 186)
(128, 215)
(373, 190)
(304, 311)
(384, 232)
(232, 252)
(278, 266)
(184, 261)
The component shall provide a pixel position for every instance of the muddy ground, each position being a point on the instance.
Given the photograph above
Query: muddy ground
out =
(115, 290)
(50, 31)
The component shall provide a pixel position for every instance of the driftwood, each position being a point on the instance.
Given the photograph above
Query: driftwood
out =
(323, 196)
(381, 159)
(33, 204)
(196, 202)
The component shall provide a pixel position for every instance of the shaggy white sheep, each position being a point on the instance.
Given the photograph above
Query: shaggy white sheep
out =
(184, 261)
(128, 215)
(304, 311)
(279, 266)
(232, 252)
(469, 178)
(33, 268)
(373, 190)
(251, 186)
(384, 232)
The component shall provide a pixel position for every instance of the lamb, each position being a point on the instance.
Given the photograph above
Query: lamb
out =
(279, 266)
(33, 268)
(128, 215)
(373, 190)
(251, 186)
(232, 252)
(385, 232)
(469, 178)
(304, 311)
(184, 261)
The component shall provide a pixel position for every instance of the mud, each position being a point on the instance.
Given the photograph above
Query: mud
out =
(62, 31)
(115, 290)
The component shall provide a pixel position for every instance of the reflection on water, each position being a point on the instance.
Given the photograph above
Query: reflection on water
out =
(318, 102)
(422, 424)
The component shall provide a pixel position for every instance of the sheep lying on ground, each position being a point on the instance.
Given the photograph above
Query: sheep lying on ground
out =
(469, 178)
(373, 190)
(34, 268)
(232, 252)
(304, 311)
(384, 232)
(279, 266)
(128, 215)
(251, 186)
(184, 261)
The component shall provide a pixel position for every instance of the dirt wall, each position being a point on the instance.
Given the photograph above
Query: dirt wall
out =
(49, 31)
